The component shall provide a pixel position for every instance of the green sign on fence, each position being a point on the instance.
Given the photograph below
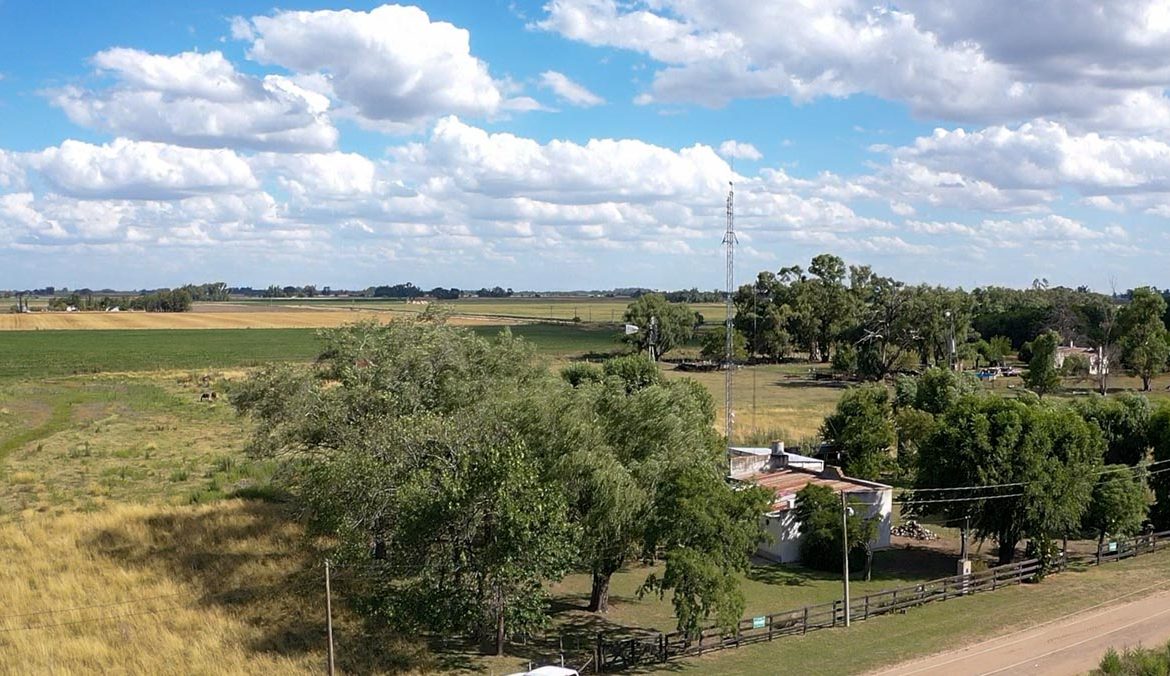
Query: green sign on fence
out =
(759, 622)
(1112, 546)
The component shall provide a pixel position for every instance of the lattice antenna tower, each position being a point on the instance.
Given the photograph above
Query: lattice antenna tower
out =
(728, 331)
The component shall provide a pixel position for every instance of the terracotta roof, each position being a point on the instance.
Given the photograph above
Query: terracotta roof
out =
(786, 483)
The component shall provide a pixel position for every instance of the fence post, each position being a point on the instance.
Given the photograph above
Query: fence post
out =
(804, 625)
(865, 616)
(769, 627)
(598, 652)
(662, 647)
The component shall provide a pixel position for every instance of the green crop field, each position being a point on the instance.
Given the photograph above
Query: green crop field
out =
(58, 353)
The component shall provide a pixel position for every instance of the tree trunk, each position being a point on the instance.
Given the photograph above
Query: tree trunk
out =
(599, 594)
(1145, 383)
(1007, 551)
(500, 632)
(1100, 545)
(868, 562)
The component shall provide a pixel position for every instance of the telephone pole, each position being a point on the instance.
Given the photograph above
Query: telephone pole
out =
(329, 616)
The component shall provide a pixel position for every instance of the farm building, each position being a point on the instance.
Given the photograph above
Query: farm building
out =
(785, 474)
(1095, 357)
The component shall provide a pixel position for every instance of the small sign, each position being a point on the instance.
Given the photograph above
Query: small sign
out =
(1112, 546)
(759, 622)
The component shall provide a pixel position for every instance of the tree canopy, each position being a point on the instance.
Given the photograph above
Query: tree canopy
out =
(1044, 456)
(675, 323)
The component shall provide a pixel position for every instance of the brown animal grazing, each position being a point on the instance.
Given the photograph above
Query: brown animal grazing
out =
(206, 396)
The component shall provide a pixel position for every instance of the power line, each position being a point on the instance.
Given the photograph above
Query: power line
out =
(967, 499)
(1129, 468)
(90, 607)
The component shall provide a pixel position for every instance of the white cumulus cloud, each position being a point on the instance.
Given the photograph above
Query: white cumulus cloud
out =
(993, 61)
(140, 170)
(739, 150)
(568, 90)
(198, 99)
(393, 65)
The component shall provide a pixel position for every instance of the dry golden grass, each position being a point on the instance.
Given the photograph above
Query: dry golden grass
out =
(136, 613)
(259, 319)
(228, 588)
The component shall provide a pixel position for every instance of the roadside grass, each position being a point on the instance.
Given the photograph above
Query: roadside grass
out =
(891, 639)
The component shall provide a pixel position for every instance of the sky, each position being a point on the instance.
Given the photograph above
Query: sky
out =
(582, 144)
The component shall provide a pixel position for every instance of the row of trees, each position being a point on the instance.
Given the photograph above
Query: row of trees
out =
(870, 325)
(1060, 469)
(164, 300)
(462, 476)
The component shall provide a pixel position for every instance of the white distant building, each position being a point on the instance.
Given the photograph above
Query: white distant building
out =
(1095, 356)
(785, 474)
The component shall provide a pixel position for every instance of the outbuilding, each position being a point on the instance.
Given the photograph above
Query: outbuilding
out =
(785, 474)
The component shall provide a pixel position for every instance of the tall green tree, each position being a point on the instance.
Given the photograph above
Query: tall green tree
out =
(707, 532)
(986, 440)
(627, 449)
(862, 428)
(1119, 503)
(1144, 341)
(1124, 421)
(675, 323)
(1159, 431)
(818, 511)
(714, 345)
(397, 443)
(1042, 376)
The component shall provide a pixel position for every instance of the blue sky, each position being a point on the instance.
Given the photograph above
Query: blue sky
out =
(581, 143)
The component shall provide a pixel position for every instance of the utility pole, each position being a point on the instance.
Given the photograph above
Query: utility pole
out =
(954, 353)
(329, 616)
(845, 552)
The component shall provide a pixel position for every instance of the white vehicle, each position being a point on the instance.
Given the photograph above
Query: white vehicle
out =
(548, 671)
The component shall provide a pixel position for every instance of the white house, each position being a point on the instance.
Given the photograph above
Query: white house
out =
(1095, 356)
(785, 474)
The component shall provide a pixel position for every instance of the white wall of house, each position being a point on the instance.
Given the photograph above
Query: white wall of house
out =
(784, 529)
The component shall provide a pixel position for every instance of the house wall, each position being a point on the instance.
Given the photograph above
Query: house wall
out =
(784, 529)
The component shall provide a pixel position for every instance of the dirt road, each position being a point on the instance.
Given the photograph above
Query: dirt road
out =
(1069, 645)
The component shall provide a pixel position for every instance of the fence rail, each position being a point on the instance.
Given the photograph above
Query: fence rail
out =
(618, 654)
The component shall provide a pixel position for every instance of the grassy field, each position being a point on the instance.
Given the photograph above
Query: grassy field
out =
(587, 310)
(39, 354)
(128, 547)
(224, 316)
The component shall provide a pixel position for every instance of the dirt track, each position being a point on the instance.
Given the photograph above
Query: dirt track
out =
(1072, 644)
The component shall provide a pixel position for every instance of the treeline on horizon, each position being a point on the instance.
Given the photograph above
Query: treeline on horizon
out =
(872, 325)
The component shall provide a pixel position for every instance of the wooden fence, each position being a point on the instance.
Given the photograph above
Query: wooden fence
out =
(1117, 550)
(621, 653)
(627, 652)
